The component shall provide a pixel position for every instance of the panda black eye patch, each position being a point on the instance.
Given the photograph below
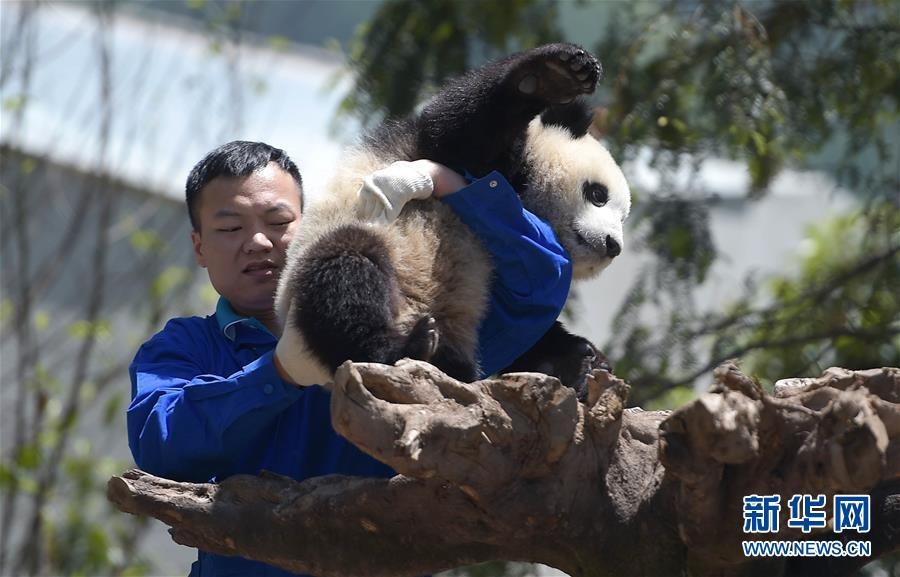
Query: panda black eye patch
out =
(595, 193)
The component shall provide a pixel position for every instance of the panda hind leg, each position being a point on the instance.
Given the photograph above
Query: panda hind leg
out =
(346, 299)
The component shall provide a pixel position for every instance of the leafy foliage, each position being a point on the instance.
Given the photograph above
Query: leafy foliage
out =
(65, 275)
(769, 83)
(772, 84)
(410, 47)
(855, 321)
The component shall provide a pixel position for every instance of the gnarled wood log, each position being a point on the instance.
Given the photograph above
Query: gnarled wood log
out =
(516, 468)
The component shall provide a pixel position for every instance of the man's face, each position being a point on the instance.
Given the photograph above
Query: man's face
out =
(246, 224)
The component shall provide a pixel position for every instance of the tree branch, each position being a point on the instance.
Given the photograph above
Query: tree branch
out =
(516, 468)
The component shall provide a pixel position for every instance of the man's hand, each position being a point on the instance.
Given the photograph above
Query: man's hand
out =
(385, 192)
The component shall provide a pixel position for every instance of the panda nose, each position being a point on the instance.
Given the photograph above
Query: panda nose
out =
(612, 247)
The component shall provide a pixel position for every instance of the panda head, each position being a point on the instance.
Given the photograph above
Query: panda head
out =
(574, 184)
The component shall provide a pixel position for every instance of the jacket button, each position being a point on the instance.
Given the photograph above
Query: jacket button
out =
(493, 184)
(268, 389)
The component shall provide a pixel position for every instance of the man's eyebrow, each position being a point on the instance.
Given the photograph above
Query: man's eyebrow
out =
(224, 212)
(280, 205)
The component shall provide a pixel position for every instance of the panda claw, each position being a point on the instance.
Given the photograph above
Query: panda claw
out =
(586, 350)
(583, 76)
(423, 339)
(433, 337)
(565, 56)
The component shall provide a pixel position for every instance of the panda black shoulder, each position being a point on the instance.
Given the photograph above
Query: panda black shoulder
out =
(575, 116)
(393, 139)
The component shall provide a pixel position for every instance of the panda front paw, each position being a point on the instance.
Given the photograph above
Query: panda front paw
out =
(574, 367)
(557, 73)
(570, 358)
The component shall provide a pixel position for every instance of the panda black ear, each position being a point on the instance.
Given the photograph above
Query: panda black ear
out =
(576, 116)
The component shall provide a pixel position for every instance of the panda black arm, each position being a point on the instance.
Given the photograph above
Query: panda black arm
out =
(478, 122)
(568, 357)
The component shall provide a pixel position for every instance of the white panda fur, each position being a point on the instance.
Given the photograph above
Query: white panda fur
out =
(558, 165)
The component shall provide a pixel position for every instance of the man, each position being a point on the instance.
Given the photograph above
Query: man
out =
(210, 396)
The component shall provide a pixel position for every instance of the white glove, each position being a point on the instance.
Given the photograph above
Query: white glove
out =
(385, 192)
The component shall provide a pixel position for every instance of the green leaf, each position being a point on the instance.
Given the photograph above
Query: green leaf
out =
(27, 484)
(208, 295)
(144, 241)
(759, 141)
(443, 32)
(672, 399)
(27, 165)
(97, 548)
(88, 392)
(259, 86)
(113, 407)
(50, 435)
(83, 329)
(44, 381)
(28, 457)
(278, 42)
(233, 12)
(7, 478)
(168, 280)
(215, 47)
(6, 309)
(41, 320)
(14, 103)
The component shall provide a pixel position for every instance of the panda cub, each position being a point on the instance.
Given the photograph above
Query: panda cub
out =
(419, 287)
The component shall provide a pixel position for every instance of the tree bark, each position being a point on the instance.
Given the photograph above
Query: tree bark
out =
(516, 468)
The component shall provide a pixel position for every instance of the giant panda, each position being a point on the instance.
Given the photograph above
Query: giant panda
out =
(419, 287)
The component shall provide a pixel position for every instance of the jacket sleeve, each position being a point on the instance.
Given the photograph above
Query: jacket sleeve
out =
(532, 271)
(186, 424)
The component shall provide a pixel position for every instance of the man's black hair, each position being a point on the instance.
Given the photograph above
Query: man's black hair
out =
(236, 158)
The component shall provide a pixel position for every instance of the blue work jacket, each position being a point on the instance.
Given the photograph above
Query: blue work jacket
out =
(208, 403)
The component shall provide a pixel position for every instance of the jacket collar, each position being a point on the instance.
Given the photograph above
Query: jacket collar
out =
(229, 321)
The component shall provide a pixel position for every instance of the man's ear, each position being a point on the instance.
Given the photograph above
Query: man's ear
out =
(198, 248)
